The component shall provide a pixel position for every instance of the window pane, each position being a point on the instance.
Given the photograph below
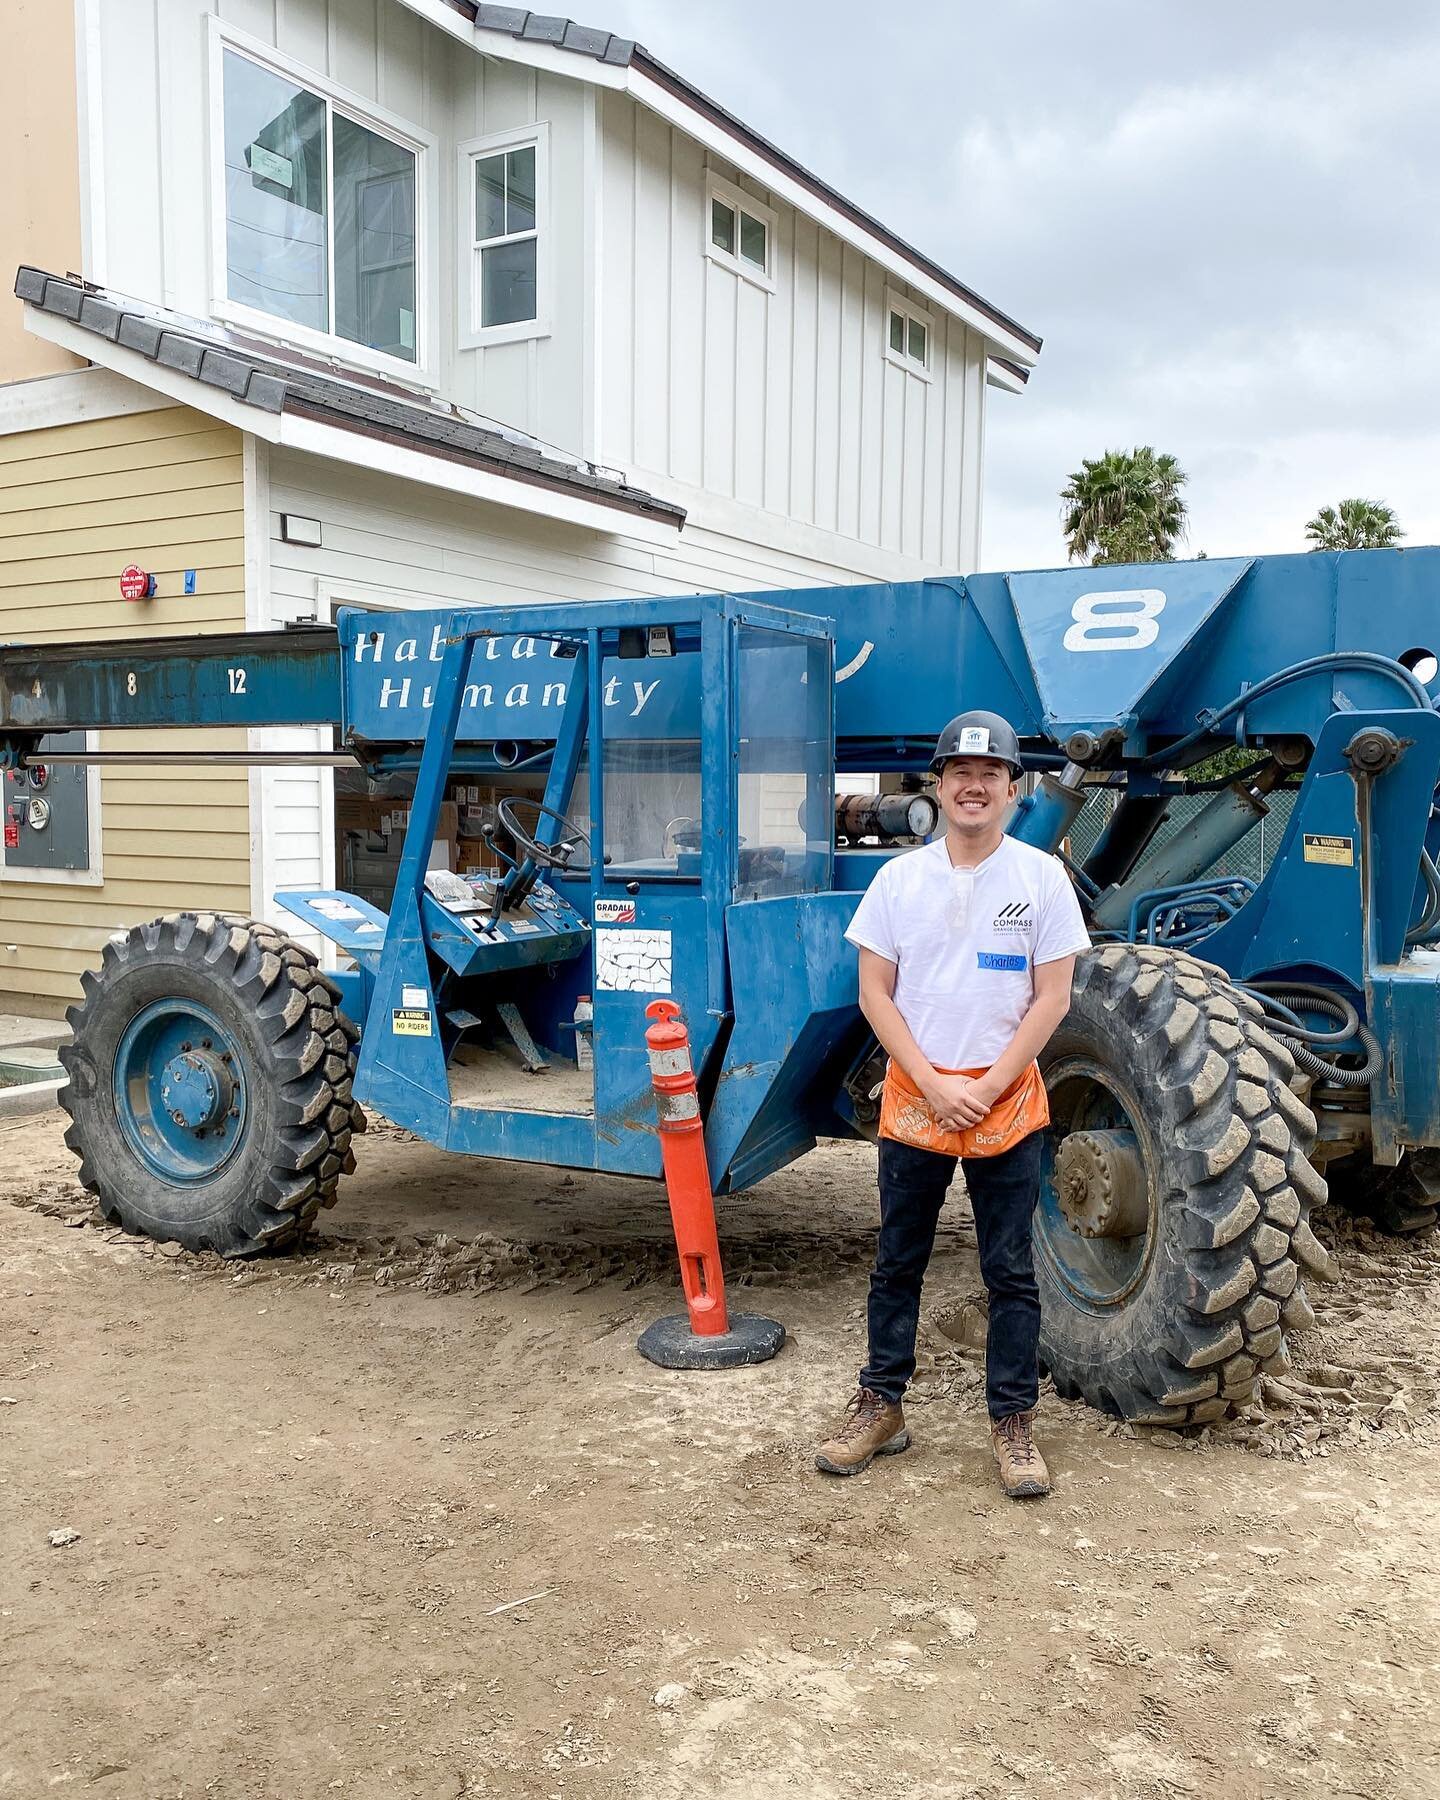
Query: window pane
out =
(374, 240)
(785, 770)
(489, 198)
(507, 283)
(520, 190)
(274, 195)
(652, 806)
(722, 226)
(918, 335)
(897, 332)
(752, 240)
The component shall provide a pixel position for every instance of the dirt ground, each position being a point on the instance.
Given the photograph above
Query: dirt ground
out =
(406, 1515)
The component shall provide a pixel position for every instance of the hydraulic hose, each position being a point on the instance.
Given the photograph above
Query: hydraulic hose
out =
(1431, 915)
(1312, 665)
(1278, 997)
(1281, 998)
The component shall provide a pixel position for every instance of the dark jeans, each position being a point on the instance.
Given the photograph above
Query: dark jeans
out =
(1003, 1191)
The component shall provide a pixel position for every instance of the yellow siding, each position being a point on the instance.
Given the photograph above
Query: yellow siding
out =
(77, 502)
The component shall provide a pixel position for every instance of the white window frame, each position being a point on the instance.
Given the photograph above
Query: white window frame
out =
(422, 372)
(908, 310)
(717, 188)
(472, 334)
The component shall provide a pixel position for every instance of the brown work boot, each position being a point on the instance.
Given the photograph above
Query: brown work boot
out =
(1023, 1474)
(872, 1426)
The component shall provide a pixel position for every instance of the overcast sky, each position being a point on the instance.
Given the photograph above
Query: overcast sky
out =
(1220, 215)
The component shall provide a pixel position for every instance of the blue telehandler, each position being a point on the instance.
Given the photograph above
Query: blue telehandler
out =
(1235, 1043)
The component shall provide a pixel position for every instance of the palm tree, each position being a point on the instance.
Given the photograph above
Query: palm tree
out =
(1124, 506)
(1354, 525)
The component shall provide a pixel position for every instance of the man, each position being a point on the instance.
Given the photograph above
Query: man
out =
(967, 950)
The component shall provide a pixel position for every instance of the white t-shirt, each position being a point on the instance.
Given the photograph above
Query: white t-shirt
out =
(966, 942)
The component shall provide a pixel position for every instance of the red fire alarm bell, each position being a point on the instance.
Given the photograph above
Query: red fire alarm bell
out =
(136, 583)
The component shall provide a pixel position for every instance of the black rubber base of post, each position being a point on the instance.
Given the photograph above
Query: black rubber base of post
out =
(673, 1345)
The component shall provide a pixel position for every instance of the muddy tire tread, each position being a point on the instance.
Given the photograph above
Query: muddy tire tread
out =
(1245, 1233)
(282, 986)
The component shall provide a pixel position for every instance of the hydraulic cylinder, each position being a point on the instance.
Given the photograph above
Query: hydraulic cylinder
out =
(1044, 817)
(1215, 829)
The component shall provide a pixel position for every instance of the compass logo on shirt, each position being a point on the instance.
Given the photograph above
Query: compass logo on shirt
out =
(1014, 917)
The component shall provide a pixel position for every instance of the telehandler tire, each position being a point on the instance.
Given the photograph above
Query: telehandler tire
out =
(210, 1082)
(1172, 1235)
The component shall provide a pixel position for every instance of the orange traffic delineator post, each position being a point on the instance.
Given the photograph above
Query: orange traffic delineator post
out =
(707, 1335)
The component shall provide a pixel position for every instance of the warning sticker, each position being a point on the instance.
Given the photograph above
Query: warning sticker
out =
(1322, 849)
(411, 1021)
(614, 912)
(633, 962)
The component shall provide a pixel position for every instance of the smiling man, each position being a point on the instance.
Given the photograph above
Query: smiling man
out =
(967, 950)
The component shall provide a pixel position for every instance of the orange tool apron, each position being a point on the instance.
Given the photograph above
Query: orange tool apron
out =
(907, 1116)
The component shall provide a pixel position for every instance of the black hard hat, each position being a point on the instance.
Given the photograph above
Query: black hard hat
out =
(978, 734)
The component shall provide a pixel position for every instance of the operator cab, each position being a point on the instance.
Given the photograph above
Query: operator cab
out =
(520, 985)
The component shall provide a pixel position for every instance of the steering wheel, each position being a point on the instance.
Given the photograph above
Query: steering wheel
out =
(549, 856)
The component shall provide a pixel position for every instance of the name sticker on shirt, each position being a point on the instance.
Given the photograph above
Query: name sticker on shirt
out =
(994, 959)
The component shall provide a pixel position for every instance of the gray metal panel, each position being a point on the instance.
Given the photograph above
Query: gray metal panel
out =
(62, 841)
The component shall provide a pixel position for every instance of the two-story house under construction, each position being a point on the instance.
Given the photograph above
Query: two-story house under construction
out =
(410, 301)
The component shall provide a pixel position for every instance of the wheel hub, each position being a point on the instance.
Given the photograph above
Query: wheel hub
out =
(196, 1088)
(180, 1091)
(1101, 1185)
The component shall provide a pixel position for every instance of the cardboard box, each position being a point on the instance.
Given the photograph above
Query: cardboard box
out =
(474, 856)
(389, 818)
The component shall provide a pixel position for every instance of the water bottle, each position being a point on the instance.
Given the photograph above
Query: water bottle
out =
(584, 1026)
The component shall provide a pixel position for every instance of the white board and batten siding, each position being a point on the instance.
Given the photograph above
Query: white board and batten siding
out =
(773, 406)
(779, 398)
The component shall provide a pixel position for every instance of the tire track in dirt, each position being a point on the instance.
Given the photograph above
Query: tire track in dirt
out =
(1367, 1372)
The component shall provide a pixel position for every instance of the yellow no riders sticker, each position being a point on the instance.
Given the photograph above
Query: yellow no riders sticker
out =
(411, 1021)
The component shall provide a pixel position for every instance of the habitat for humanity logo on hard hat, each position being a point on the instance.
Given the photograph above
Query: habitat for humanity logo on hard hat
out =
(974, 740)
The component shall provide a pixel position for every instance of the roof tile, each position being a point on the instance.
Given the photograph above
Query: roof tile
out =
(265, 391)
(501, 18)
(139, 333)
(180, 353)
(30, 283)
(100, 316)
(272, 385)
(544, 28)
(228, 372)
(63, 298)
